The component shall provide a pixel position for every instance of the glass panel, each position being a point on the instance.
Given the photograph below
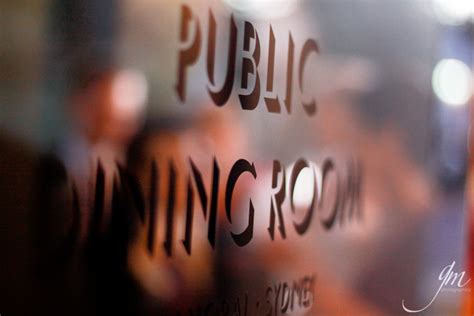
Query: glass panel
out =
(235, 157)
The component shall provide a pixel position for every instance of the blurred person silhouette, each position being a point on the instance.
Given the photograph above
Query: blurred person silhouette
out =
(103, 102)
(188, 279)
(178, 281)
(106, 111)
(398, 193)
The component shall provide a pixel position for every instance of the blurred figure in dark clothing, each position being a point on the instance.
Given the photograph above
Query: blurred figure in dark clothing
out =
(17, 182)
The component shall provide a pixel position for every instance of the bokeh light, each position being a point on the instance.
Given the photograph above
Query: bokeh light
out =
(129, 92)
(452, 82)
(453, 12)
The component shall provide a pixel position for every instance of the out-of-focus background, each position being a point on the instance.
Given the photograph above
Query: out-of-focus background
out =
(88, 103)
